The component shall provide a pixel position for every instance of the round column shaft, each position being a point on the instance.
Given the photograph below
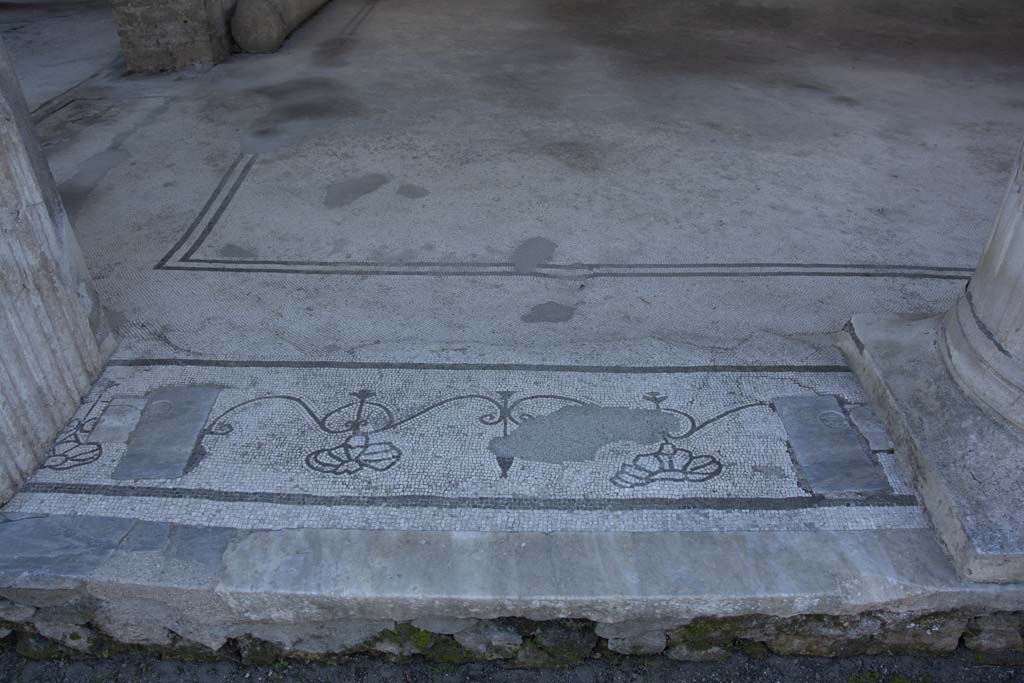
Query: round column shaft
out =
(984, 332)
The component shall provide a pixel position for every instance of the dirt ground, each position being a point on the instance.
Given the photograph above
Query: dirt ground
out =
(958, 668)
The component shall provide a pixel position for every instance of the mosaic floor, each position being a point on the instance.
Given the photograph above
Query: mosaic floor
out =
(530, 265)
(532, 182)
(488, 449)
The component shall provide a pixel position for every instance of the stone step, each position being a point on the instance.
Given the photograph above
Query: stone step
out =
(325, 508)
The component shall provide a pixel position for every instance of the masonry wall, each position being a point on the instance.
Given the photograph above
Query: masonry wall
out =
(165, 35)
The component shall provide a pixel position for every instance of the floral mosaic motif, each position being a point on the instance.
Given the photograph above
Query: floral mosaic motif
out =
(357, 452)
(361, 424)
(670, 462)
(72, 447)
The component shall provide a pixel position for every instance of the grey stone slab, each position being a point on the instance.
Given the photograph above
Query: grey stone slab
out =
(58, 545)
(147, 536)
(317, 585)
(970, 469)
(871, 428)
(203, 546)
(830, 453)
(118, 419)
(162, 444)
(12, 516)
(317, 574)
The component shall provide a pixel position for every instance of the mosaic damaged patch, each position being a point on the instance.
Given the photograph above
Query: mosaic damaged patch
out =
(474, 448)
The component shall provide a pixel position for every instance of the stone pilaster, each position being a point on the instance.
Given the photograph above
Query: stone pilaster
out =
(984, 332)
(53, 336)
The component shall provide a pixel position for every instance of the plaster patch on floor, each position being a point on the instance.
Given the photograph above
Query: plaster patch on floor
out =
(341, 193)
(577, 433)
(549, 312)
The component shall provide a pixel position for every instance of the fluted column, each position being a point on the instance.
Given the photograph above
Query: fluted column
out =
(53, 335)
(984, 332)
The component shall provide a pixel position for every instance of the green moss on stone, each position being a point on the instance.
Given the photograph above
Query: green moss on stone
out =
(708, 632)
(446, 650)
(405, 635)
(31, 646)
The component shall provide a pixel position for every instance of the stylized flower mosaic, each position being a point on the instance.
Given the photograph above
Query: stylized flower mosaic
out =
(668, 463)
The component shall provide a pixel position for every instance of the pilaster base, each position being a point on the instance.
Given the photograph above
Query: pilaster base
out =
(969, 465)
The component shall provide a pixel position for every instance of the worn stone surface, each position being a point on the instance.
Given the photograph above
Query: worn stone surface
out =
(968, 463)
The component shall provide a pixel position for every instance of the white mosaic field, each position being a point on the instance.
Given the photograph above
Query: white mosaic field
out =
(413, 449)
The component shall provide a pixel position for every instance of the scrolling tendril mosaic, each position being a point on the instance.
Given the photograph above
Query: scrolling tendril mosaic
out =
(362, 422)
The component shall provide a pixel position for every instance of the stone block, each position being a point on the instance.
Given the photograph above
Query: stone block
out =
(490, 640)
(447, 626)
(166, 35)
(14, 613)
(649, 643)
(72, 636)
(566, 641)
(58, 545)
(997, 633)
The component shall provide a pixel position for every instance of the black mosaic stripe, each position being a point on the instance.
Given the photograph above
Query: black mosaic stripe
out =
(474, 503)
(500, 367)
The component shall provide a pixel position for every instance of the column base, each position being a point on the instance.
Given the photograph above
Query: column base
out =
(984, 370)
(969, 464)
